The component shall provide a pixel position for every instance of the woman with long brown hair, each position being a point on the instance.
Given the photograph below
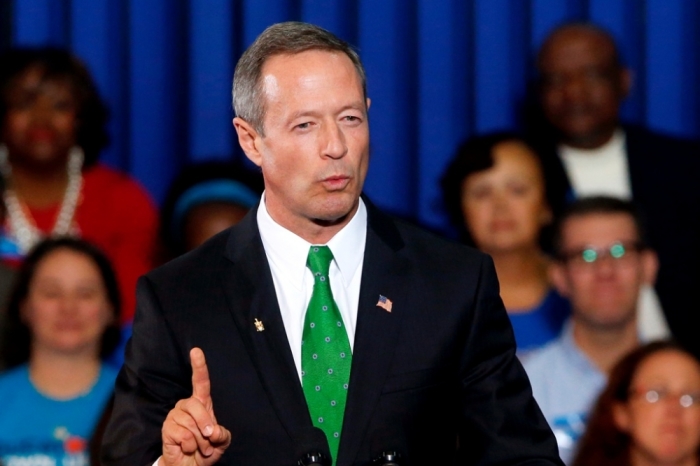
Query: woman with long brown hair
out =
(649, 413)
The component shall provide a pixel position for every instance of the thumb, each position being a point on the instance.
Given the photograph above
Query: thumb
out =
(201, 386)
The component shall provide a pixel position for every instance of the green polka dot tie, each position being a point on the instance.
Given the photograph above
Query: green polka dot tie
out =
(325, 353)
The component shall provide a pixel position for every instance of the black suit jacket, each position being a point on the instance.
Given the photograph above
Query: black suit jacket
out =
(664, 175)
(437, 371)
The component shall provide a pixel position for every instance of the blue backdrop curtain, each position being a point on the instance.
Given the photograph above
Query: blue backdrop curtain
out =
(438, 70)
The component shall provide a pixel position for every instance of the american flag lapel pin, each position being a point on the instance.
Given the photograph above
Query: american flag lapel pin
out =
(384, 303)
(259, 325)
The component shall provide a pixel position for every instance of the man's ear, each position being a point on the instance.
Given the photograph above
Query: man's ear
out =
(368, 102)
(557, 276)
(650, 265)
(248, 138)
(626, 80)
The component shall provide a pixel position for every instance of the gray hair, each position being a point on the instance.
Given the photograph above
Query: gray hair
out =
(287, 38)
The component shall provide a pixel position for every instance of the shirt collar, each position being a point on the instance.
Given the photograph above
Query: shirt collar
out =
(616, 145)
(288, 252)
(573, 354)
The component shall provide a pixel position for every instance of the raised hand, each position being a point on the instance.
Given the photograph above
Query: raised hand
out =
(191, 435)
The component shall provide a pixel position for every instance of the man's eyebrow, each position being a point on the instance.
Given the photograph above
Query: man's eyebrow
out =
(361, 105)
(302, 113)
(314, 113)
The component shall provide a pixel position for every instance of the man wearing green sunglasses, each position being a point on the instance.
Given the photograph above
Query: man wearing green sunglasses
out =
(602, 262)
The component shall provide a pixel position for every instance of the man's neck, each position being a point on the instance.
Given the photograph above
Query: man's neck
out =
(590, 142)
(311, 230)
(605, 347)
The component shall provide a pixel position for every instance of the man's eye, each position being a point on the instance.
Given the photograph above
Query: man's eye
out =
(304, 125)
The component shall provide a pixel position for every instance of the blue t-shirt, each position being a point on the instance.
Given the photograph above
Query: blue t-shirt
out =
(537, 327)
(39, 431)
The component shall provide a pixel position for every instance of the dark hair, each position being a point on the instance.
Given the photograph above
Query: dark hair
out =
(288, 38)
(59, 65)
(16, 342)
(604, 443)
(474, 156)
(171, 222)
(598, 205)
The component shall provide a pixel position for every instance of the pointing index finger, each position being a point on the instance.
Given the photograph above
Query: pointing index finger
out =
(200, 377)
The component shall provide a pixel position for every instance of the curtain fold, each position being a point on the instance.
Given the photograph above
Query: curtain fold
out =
(438, 71)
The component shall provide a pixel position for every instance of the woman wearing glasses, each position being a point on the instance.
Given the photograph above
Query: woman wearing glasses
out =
(649, 413)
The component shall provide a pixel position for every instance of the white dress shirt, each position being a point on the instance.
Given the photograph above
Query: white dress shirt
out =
(600, 171)
(287, 253)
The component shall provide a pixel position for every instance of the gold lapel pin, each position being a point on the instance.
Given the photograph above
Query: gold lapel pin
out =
(259, 325)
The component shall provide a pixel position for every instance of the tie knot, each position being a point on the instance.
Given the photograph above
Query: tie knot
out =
(319, 260)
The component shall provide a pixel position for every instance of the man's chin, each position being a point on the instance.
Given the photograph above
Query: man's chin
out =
(336, 213)
(584, 137)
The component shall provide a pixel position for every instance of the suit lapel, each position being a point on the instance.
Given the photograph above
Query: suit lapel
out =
(377, 330)
(637, 164)
(250, 292)
(247, 284)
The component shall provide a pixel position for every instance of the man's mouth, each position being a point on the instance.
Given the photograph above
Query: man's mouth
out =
(336, 182)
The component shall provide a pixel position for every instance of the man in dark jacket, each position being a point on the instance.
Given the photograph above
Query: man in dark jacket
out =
(588, 151)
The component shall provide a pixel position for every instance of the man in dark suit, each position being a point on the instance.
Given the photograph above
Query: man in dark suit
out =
(588, 151)
(433, 377)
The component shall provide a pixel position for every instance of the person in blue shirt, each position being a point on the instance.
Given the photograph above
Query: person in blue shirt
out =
(603, 260)
(495, 192)
(63, 316)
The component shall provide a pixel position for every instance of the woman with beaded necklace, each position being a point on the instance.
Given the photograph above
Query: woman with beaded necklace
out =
(52, 128)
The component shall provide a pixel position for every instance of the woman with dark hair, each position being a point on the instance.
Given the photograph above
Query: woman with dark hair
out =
(62, 318)
(649, 413)
(495, 193)
(52, 128)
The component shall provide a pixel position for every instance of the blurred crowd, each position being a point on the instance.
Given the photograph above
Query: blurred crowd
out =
(592, 225)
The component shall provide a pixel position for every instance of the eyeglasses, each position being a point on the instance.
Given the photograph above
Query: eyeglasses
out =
(620, 252)
(657, 395)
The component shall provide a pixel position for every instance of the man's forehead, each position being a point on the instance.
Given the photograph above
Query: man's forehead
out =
(303, 55)
(575, 43)
(603, 227)
(282, 73)
(270, 85)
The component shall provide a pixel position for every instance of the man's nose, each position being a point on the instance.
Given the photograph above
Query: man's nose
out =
(605, 265)
(334, 144)
(574, 88)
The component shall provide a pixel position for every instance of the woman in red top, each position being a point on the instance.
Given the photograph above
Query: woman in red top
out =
(52, 124)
